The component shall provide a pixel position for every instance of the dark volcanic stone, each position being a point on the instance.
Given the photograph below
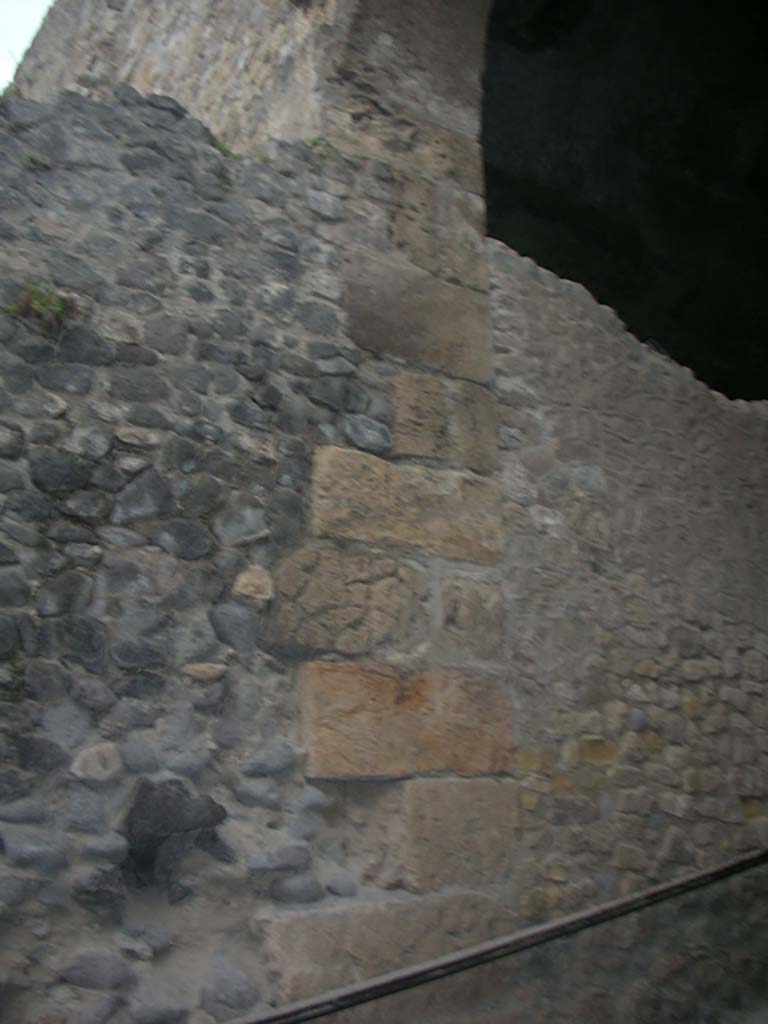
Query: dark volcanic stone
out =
(97, 970)
(70, 592)
(11, 441)
(303, 888)
(81, 345)
(236, 625)
(100, 889)
(148, 496)
(31, 507)
(83, 640)
(36, 753)
(45, 681)
(54, 471)
(138, 384)
(14, 589)
(72, 380)
(8, 638)
(159, 811)
(89, 506)
(228, 991)
(184, 538)
(137, 654)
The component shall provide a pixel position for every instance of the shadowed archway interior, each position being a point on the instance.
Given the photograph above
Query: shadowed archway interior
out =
(626, 147)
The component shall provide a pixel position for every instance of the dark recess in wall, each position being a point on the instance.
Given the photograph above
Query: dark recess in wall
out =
(626, 147)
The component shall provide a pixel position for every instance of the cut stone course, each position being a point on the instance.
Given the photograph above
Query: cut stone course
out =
(562, 635)
(316, 951)
(437, 418)
(359, 497)
(471, 620)
(399, 310)
(334, 600)
(373, 721)
(459, 832)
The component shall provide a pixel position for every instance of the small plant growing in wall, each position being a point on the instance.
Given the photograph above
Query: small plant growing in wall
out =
(322, 147)
(225, 150)
(44, 306)
(37, 163)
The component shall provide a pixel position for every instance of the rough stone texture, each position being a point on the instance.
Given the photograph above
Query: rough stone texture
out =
(360, 497)
(256, 585)
(365, 721)
(471, 621)
(567, 603)
(459, 832)
(332, 600)
(437, 419)
(172, 52)
(314, 952)
(398, 310)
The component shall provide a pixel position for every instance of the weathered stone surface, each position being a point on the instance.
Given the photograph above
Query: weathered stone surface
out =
(437, 418)
(185, 539)
(422, 406)
(98, 765)
(97, 970)
(161, 811)
(367, 434)
(475, 427)
(148, 496)
(328, 599)
(256, 585)
(363, 721)
(228, 991)
(277, 757)
(399, 310)
(360, 497)
(471, 622)
(314, 951)
(235, 624)
(459, 832)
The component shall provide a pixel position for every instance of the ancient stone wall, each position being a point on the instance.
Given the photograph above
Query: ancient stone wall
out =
(249, 70)
(366, 592)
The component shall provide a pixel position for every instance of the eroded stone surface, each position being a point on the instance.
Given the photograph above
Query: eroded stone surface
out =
(371, 721)
(471, 622)
(360, 497)
(459, 832)
(313, 952)
(399, 310)
(329, 599)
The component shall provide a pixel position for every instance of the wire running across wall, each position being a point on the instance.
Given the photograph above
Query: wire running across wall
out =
(476, 956)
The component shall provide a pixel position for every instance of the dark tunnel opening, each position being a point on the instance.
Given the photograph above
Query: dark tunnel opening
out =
(626, 147)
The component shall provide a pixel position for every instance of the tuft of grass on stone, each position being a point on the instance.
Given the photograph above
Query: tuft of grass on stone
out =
(37, 163)
(42, 304)
(224, 149)
(323, 149)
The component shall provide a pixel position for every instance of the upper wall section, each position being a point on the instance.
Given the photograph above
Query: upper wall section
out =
(247, 69)
(257, 70)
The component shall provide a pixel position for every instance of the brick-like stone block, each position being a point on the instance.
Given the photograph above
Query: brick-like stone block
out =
(461, 232)
(350, 602)
(360, 497)
(315, 951)
(471, 622)
(422, 407)
(408, 144)
(459, 832)
(401, 310)
(373, 721)
(597, 750)
(475, 427)
(437, 418)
